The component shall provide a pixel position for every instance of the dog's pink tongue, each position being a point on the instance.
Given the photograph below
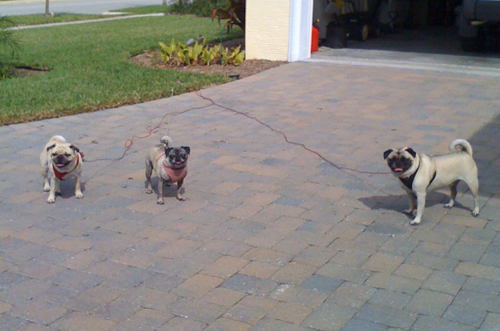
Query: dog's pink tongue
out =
(60, 165)
(398, 170)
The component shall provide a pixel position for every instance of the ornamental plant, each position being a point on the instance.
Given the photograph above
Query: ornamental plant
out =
(179, 54)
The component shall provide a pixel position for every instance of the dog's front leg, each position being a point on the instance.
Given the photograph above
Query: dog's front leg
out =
(179, 196)
(411, 200)
(46, 185)
(54, 183)
(420, 208)
(149, 172)
(160, 191)
(78, 187)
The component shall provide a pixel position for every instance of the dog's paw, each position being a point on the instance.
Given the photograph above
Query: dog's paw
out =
(449, 204)
(46, 188)
(181, 198)
(79, 195)
(415, 221)
(149, 191)
(475, 212)
(51, 200)
(160, 202)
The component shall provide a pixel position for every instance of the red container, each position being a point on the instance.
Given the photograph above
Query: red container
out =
(315, 38)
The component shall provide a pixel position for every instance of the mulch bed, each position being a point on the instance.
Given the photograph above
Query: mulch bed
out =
(248, 68)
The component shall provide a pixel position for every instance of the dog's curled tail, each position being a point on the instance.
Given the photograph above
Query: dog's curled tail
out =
(166, 141)
(459, 145)
(58, 137)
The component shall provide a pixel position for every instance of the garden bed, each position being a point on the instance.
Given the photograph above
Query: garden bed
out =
(152, 59)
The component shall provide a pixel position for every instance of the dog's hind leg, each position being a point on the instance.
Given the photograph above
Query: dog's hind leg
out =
(149, 172)
(473, 185)
(453, 194)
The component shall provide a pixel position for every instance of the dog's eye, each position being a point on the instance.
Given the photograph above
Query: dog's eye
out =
(54, 154)
(67, 155)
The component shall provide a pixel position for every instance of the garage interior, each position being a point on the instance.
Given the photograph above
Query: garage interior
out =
(417, 26)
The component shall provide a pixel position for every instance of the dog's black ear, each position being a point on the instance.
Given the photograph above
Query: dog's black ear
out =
(167, 150)
(412, 152)
(76, 149)
(387, 152)
(187, 149)
(50, 147)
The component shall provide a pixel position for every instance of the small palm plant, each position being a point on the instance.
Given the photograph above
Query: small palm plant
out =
(6, 34)
(7, 39)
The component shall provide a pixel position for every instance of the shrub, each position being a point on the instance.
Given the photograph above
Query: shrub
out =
(201, 8)
(235, 14)
(179, 54)
(8, 39)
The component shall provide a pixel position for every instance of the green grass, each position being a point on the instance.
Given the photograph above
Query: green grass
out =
(90, 70)
(57, 18)
(145, 10)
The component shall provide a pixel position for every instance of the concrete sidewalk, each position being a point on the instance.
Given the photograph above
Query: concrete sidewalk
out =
(271, 237)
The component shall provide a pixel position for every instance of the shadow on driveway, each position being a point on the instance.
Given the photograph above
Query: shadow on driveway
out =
(486, 148)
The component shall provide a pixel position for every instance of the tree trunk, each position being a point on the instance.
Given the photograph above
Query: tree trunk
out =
(47, 8)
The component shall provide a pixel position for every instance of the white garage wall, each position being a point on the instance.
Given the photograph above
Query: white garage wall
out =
(301, 13)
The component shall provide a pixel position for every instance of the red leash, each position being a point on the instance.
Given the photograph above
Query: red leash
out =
(130, 142)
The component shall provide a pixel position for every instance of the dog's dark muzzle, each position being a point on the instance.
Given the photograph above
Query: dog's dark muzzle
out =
(61, 161)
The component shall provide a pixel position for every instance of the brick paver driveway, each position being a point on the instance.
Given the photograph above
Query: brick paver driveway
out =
(271, 237)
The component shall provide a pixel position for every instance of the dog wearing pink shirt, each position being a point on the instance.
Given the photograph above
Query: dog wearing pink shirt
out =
(170, 164)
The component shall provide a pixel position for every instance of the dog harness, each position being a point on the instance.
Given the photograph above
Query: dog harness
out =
(60, 175)
(175, 175)
(408, 181)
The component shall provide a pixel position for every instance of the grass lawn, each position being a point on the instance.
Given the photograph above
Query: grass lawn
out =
(145, 10)
(57, 18)
(90, 70)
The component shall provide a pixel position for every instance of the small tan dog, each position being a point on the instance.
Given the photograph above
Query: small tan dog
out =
(170, 164)
(61, 160)
(419, 174)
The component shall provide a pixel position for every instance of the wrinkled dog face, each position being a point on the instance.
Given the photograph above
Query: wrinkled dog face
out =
(62, 154)
(400, 160)
(177, 156)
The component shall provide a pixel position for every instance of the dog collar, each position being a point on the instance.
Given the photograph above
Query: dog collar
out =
(408, 181)
(60, 175)
(175, 175)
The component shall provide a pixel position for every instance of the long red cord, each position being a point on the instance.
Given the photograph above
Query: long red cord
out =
(130, 142)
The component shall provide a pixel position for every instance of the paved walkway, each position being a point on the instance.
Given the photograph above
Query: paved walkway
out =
(271, 237)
